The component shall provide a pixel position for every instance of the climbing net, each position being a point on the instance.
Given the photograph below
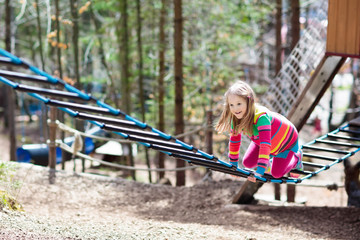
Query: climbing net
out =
(80, 105)
(300, 64)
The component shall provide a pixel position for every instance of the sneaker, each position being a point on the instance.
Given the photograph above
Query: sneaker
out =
(299, 165)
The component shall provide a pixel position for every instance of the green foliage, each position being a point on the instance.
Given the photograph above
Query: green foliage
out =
(8, 185)
(216, 33)
(9, 202)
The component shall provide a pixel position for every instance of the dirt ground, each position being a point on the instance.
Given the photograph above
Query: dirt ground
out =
(87, 206)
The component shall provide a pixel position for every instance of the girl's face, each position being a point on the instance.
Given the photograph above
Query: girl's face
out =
(237, 105)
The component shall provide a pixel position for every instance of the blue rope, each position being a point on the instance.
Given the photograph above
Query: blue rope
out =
(87, 97)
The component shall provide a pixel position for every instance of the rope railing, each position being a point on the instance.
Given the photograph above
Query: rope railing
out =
(68, 129)
(71, 130)
(69, 149)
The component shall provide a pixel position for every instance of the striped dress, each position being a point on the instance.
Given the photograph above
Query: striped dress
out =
(272, 132)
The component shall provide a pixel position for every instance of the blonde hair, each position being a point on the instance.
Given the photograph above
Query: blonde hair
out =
(228, 121)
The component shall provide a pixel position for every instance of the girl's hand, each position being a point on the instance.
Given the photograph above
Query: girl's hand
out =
(252, 179)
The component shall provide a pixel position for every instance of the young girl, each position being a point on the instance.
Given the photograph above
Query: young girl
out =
(272, 135)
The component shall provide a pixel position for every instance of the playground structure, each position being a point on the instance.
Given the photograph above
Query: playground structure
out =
(298, 109)
(310, 68)
(343, 41)
(134, 130)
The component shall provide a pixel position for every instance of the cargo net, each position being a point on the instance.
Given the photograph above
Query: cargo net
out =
(296, 71)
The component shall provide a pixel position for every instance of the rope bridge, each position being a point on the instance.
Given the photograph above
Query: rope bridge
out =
(106, 117)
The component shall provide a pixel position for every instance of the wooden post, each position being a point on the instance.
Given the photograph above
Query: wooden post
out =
(290, 192)
(209, 137)
(277, 191)
(52, 145)
(209, 132)
(310, 97)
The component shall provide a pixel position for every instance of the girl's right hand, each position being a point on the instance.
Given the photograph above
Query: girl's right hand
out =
(251, 179)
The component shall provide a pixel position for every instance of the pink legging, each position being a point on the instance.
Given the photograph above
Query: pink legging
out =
(280, 166)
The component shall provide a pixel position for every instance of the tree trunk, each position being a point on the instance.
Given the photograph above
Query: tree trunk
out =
(141, 77)
(161, 87)
(75, 44)
(124, 62)
(178, 72)
(295, 23)
(278, 35)
(58, 49)
(38, 22)
(59, 65)
(41, 52)
(10, 107)
(75, 40)
(278, 47)
(295, 36)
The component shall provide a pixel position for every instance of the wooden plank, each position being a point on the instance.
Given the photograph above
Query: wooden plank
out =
(331, 29)
(357, 19)
(351, 25)
(343, 34)
(341, 27)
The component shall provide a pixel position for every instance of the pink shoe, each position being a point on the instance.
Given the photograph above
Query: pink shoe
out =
(299, 165)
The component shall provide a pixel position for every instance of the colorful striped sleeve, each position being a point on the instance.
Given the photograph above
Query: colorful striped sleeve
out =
(264, 127)
(234, 149)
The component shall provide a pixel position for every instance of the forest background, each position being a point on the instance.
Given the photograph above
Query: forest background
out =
(166, 63)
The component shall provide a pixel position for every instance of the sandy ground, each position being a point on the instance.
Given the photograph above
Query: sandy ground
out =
(92, 207)
(87, 206)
